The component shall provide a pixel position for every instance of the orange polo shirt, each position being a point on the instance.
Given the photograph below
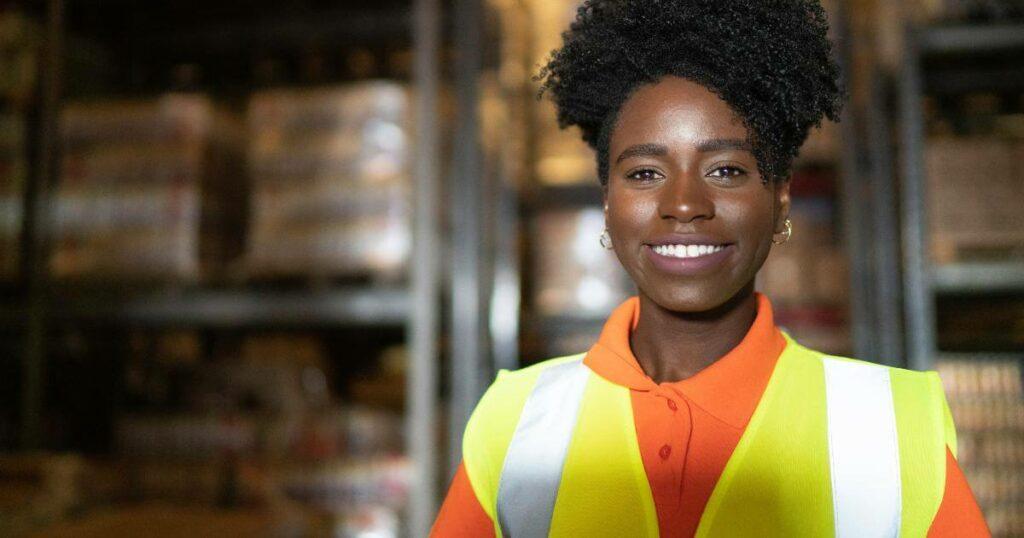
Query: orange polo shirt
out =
(687, 431)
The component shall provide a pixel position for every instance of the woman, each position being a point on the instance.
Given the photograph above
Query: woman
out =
(693, 414)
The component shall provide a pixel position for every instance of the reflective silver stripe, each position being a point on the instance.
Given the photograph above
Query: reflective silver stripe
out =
(532, 471)
(863, 450)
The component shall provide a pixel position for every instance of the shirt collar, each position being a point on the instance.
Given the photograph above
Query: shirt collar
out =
(729, 389)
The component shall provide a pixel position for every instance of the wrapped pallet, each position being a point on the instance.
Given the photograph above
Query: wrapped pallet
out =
(331, 188)
(573, 273)
(150, 191)
(974, 189)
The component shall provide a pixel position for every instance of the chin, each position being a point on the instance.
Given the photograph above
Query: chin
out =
(690, 299)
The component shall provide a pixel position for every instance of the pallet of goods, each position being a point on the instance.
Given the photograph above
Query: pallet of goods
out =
(150, 190)
(573, 273)
(330, 181)
(974, 189)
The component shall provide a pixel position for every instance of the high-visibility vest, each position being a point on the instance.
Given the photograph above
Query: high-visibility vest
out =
(835, 447)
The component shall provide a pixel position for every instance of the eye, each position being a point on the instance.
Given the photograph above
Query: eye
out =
(727, 172)
(644, 174)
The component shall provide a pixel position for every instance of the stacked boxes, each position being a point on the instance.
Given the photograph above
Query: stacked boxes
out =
(331, 190)
(261, 427)
(150, 190)
(987, 404)
(575, 275)
(974, 189)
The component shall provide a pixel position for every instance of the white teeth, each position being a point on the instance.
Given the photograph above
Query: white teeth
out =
(686, 251)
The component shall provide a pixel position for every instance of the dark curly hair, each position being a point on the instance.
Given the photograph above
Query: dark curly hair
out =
(770, 60)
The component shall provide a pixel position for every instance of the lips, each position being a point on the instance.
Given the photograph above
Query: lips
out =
(686, 251)
(688, 255)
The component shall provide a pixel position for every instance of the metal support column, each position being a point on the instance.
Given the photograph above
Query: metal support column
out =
(919, 306)
(467, 192)
(37, 228)
(506, 291)
(422, 381)
(888, 323)
(856, 223)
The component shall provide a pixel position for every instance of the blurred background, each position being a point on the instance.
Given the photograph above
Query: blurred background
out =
(258, 261)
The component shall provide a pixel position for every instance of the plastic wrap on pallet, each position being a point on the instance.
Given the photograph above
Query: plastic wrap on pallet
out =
(573, 273)
(331, 190)
(149, 190)
(968, 222)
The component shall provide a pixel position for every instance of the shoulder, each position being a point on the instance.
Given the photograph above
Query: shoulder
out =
(506, 396)
(898, 375)
(529, 375)
(493, 423)
(916, 396)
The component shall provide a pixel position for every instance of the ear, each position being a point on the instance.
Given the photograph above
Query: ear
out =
(782, 203)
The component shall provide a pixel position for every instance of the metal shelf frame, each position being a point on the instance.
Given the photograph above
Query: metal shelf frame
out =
(921, 279)
(229, 309)
(969, 39)
(979, 277)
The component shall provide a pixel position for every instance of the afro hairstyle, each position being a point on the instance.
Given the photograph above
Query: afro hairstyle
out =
(769, 60)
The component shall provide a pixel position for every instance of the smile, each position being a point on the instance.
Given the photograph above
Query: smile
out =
(686, 251)
(689, 260)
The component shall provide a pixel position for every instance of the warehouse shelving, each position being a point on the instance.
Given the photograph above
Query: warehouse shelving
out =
(414, 305)
(975, 277)
(945, 59)
(231, 308)
(970, 39)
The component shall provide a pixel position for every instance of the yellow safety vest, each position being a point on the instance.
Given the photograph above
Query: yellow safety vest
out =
(835, 447)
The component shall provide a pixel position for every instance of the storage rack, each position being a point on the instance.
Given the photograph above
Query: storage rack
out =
(961, 48)
(415, 305)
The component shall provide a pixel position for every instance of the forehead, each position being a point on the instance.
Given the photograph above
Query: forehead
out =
(676, 110)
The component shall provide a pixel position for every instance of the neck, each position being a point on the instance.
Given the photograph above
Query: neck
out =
(672, 346)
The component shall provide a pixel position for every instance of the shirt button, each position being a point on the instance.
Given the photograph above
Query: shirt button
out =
(665, 452)
(672, 405)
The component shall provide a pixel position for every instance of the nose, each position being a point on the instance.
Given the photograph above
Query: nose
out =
(685, 198)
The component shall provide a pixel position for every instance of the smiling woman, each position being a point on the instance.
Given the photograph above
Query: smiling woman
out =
(684, 178)
(693, 414)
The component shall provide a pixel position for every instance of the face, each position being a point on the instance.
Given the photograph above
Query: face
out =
(689, 216)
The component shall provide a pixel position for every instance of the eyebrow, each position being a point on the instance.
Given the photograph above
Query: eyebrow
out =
(658, 150)
(718, 144)
(642, 150)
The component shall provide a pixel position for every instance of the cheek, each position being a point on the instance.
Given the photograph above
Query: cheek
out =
(752, 221)
(628, 212)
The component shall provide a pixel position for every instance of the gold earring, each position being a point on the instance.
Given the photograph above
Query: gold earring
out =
(606, 240)
(786, 234)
